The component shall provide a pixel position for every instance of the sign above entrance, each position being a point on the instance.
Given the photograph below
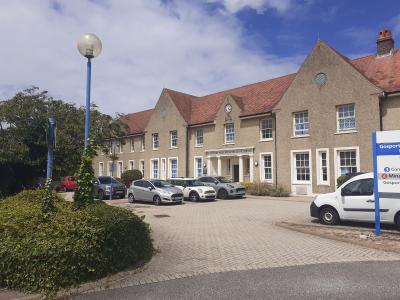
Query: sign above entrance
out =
(230, 152)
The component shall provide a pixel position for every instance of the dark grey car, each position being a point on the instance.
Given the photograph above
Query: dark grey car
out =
(154, 190)
(224, 187)
(104, 184)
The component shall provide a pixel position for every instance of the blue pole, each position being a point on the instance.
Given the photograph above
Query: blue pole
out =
(87, 119)
(112, 176)
(376, 191)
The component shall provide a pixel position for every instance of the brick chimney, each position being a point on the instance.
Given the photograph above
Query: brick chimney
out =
(385, 43)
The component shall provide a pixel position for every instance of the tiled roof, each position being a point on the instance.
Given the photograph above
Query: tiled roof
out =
(138, 121)
(261, 97)
(256, 98)
(383, 71)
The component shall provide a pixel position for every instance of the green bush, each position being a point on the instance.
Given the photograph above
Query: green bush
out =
(265, 189)
(130, 175)
(73, 246)
(341, 179)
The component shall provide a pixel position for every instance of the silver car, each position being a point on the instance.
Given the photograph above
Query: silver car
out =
(224, 187)
(154, 190)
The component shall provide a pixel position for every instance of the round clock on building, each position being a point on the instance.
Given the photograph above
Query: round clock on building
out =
(228, 108)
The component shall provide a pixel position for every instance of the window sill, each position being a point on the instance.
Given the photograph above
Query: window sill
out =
(346, 132)
(267, 181)
(323, 184)
(228, 144)
(300, 136)
(155, 149)
(198, 146)
(301, 183)
(266, 140)
(172, 148)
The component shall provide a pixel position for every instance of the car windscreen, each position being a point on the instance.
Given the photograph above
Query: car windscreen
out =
(107, 180)
(161, 183)
(223, 179)
(194, 183)
(72, 178)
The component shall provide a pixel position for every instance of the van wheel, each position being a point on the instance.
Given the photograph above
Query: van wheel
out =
(131, 198)
(329, 216)
(397, 220)
(157, 200)
(222, 194)
(194, 197)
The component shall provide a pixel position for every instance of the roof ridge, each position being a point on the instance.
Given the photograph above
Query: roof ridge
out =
(246, 85)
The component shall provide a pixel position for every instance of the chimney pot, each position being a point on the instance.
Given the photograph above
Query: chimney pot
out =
(384, 43)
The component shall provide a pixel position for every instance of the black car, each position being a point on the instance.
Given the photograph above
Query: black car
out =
(104, 184)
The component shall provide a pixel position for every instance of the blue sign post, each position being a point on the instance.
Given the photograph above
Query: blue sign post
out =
(386, 159)
(376, 190)
(51, 142)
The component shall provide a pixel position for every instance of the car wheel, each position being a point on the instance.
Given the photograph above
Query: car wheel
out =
(222, 194)
(131, 198)
(194, 197)
(329, 216)
(397, 220)
(101, 195)
(157, 200)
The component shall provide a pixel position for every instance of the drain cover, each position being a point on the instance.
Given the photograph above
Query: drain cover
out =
(162, 216)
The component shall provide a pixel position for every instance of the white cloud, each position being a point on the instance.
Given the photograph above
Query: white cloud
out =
(233, 6)
(147, 45)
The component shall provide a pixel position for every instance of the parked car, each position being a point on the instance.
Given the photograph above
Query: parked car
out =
(354, 201)
(103, 185)
(155, 190)
(68, 183)
(224, 187)
(193, 189)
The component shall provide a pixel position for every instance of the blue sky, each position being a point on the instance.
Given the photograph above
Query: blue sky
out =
(194, 46)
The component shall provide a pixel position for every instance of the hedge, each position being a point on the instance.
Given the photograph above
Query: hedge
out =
(72, 246)
(130, 175)
(265, 189)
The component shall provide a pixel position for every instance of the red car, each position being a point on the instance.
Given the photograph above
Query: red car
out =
(68, 183)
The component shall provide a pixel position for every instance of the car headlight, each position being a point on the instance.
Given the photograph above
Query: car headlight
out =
(231, 186)
(108, 188)
(167, 194)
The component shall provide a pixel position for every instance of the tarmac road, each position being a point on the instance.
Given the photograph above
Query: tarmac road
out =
(354, 280)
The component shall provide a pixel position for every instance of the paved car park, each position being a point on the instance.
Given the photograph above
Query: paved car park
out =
(230, 235)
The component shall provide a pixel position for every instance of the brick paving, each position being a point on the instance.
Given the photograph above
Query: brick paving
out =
(228, 235)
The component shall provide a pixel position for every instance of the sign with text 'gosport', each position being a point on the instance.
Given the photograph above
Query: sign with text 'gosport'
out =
(386, 158)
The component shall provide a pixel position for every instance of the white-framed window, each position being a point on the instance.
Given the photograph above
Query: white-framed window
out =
(131, 164)
(110, 170)
(132, 142)
(142, 143)
(322, 156)
(347, 162)
(266, 129)
(154, 168)
(301, 166)
(229, 133)
(266, 166)
(301, 123)
(120, 168)
(346, 117)
(246, 166)
(141, 166)
(155, 141)
(173, 137)
(199, 137)
(101, 168)
(198, 166)
(173, 167)
(118, 146)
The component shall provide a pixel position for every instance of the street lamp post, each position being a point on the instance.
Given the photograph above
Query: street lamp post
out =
(89, 45)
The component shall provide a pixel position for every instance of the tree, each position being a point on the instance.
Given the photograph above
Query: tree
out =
(130, 175)
(23, 124)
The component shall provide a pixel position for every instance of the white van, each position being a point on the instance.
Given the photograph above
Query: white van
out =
(354, 201)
